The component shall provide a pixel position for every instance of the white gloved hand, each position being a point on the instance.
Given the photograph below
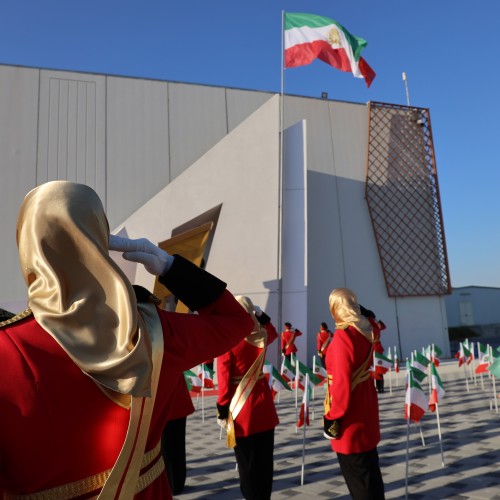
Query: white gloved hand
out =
(222, 422)
(155, 260)
(258, 310)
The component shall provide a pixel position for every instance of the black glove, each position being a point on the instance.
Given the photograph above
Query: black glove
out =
(283, 351)
(222, 412)
(331, 428)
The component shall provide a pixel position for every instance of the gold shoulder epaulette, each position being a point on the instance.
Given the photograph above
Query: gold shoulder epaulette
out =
(17, 317)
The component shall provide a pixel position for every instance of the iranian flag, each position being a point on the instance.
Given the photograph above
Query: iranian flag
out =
(278, 382)
(287, 370)
(437, 389)
(433, 352)
(207, 376)
(464, 355)
(309, 37)
(304, 407)
(318, 370)
(193, 381)
(495, 368)
(267, 370)
(381, 364)
(305, 373)
(415, 401)
(419, 365)
(484, 359)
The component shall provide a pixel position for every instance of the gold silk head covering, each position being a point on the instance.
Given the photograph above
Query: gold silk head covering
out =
(258, 337)
(75, 290)
(345, 311)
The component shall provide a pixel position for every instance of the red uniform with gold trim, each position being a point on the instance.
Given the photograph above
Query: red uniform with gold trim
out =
(57, 426)
(258, 414)
(288, 341)
(323, 338)
(357, 411)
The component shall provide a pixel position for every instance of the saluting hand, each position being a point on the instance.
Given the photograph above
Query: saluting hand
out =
(155, 260)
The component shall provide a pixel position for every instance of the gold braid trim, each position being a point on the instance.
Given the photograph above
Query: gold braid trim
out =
(17, 317)
(361, 374)
(97, 481)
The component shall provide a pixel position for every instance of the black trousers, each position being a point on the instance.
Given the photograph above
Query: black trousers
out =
(254, 455)
(173, 448)
(362, 475)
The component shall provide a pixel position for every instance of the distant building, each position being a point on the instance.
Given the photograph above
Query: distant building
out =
(352, 202)
(474, 310)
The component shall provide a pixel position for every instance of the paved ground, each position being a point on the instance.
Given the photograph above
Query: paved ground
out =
(470, 442)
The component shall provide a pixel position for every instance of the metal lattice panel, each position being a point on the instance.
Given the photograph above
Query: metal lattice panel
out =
(403, 200)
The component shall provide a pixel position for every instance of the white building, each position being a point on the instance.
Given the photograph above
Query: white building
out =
(354, 203)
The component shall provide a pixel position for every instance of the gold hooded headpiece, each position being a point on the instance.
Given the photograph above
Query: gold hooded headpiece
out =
(75, 290)
(346, 312)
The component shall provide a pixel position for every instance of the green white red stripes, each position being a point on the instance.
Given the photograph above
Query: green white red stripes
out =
(437, 389)
(415, 401)
(308, 37)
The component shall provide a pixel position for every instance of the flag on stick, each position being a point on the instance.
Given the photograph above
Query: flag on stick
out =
(437, 389)
(381, 365)
(415, 400)
(278, 382)
(207, 376)
(193, 381)
(306, 371)
(304, 407)
(287, 370)
(309, 37)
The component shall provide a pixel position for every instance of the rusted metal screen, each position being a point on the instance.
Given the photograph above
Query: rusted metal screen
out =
(403, 200)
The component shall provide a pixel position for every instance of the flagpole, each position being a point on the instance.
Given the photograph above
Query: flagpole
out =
(280, 174)
(202, 391)
(408, 405)
(306, 416)
(439, 434)
(314, 388)
(494, 385)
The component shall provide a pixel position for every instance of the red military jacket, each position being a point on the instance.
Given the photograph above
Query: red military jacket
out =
(258, 413)
(324, 337)
(288, 341)
(357, 410)
(377, 326)
(57, 426)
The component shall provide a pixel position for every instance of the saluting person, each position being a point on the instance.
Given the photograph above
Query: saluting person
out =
(245, 405)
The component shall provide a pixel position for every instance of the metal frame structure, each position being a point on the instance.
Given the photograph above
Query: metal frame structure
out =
(403, 200)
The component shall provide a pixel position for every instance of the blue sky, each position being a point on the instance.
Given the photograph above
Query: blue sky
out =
(447, 48)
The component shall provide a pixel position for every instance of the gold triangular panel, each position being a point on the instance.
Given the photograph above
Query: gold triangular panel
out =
(190, 245)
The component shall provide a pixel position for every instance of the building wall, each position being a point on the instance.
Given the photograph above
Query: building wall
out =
(159, 153)
(473, 305)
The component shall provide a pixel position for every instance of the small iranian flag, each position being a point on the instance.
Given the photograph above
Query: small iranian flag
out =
(278, 382)
(309, 37)
(193, 381)
(305, 373)
(437, 389)
(287, 370)
(484, 359)
(433, 352)
(381, 364)
(419, 365)
(464, 355)
(207, 376)
(318, 370)
(415, 401)
(304, 407)
(267, 370)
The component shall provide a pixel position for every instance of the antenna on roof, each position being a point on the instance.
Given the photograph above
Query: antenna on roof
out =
(406, 87)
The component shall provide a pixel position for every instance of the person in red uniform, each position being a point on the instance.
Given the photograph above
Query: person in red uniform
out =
(288, 336)
(245, 405)
(323, 339)
(87, 370)
(377, 326)
(351, 419)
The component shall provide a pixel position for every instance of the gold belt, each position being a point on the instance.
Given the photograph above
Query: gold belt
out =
(96, 482)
